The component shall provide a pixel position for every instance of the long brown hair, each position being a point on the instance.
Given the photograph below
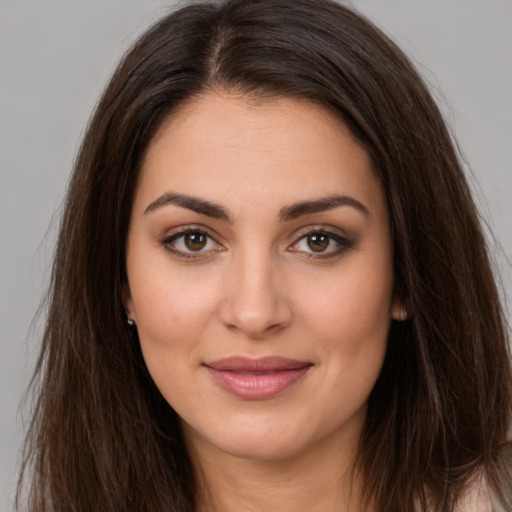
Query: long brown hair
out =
(102, 438)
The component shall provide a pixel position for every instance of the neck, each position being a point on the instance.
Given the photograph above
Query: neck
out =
(320, 479)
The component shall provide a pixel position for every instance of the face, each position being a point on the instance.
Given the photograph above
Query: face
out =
(260, 276)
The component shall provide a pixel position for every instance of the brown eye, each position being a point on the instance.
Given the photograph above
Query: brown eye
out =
(318, 242)
(321, 244)
(192, 244)
(195, 241)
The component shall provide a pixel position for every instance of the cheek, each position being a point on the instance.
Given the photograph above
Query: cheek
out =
(349, 316)
(171, 315)
(352, 332)
(171, 306)
(354, 306)
(171, 310)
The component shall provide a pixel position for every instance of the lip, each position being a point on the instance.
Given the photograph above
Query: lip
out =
(256, 379)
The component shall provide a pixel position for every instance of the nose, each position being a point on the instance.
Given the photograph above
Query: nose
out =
(254, 299)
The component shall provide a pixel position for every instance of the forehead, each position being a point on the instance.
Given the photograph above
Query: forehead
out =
(243, 152)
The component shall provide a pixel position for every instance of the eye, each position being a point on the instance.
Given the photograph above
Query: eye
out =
(194, 241)
(321, 243)
(318, 242)
(190, 243)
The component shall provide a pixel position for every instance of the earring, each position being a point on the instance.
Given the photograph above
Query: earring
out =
(401, 315)
(129, 320)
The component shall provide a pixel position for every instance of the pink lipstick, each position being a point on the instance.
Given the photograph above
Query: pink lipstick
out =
(256, 379)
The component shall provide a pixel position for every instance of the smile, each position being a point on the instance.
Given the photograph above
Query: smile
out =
(256, 379)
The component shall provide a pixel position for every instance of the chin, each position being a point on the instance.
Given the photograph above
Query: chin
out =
(262, 439)
(273, 439)
(263, 448)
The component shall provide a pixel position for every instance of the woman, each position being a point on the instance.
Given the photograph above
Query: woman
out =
(271, 290)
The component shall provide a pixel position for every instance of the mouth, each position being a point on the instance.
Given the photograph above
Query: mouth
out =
(256, 379)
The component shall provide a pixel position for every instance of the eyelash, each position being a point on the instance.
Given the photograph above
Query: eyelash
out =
(167, 243)
(343, 244)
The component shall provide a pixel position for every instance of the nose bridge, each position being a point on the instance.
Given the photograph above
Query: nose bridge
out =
(254, 300)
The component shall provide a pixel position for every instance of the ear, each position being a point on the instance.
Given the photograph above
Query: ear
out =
(398, 309)
(128, 302)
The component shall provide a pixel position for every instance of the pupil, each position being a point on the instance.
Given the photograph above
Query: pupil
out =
(318, 243)
(195, 241)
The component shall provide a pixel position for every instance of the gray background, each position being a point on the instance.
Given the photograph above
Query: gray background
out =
(55, 57)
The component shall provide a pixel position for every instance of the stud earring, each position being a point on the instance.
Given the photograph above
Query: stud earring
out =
(129, 320)
(401, 315)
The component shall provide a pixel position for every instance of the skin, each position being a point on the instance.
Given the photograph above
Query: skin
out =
(257, 289)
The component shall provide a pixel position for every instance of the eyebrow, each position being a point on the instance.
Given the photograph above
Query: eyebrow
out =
(291, 212)
(190, 203)
(320, 205)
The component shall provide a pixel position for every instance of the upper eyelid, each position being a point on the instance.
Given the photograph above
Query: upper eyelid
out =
(183, 230)
(339, 239)
(320, 228)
